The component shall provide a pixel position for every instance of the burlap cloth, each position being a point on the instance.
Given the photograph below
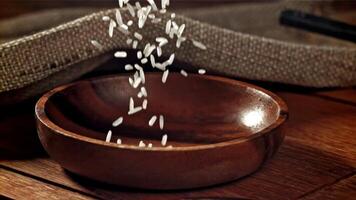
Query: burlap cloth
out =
(35, 63)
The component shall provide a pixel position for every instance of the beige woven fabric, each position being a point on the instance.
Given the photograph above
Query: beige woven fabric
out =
(30, 59)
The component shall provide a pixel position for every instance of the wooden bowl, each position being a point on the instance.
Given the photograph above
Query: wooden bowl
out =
(220, 130)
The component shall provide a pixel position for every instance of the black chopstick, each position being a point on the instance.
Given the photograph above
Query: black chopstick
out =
(318, 24)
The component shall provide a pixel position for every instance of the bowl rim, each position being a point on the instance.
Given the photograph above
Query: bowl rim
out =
(44, 120)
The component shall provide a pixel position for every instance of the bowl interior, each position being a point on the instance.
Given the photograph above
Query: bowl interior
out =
(197, 109)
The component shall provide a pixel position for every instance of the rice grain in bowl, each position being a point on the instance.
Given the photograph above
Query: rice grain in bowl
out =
(218, 130)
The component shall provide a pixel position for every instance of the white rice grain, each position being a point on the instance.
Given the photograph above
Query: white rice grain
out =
(159, 51)
(163, 11)
(144, 104)
(118, 17)
(152, 120)
(131, 10)
(201, 71)
(120, 54)
(97, 44)
(168, 26)
(170, 147)
(131, 81)
(161, 122)
(183, 72)
(180, 30)
(141, 144)
(118, 141)
(173, 15)
(144, 91)
(144, 61)
(151, 16)
(165, 76)
(118, 121)
(124, 27)
(138, 67)
(153, 4)
(108, 136)
(161, 41)
(105, 18)
(199, 44)
(131, 104)
(156, 20)
(128, 41)
(112, 25)
(138, 5)
(153, 61)
(128, 67)
(136, 83)
(129, 23)
(138, 36)
(142, 76)
(139, 54)
(134, 110)
(121, 3)
(164, 140)
(171, 59)
(150, 145)
(134, 44)
(139, 95)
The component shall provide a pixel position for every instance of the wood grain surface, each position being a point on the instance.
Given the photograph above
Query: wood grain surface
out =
(317, 159)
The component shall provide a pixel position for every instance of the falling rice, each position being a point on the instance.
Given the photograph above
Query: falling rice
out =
(150, 145)
(138, 36)
(118, 17)
(112, 25)
(199, 44)
(131, 81)
(97, 44)
(106, 18)
(201, 71)
(164, 140)
(180, 30)
(128, 41)
(165, 76)
(153, 4)
(168, 26)
(139, 54)
(161, 41)
(118, 121)
(128, 67)
(183, 72)
(159, 51)
(134, 110)
(139, 95)
(136, 83)
(144, 104)
(120, 54)
(121, 3)
(138, 5)
(142, 76)
(153, 61)
(144, 61)
(131, 10)
(108, 136)
(152, 120)
(134, 44)
(161, 122)
(143, 91)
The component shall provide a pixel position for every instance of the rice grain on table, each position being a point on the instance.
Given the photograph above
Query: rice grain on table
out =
(151, 16)
(138, 5)
(161, 41)
(164, 140)
(139, 95)
(139, 54)
(108, 136)
(142, 144)
(138, 67)
(201, 71)
(150, 145)
(96, 44)
(124, 31)
(118, 141)
(118, 121)
(173, 15)
(128, 67)
(165, 76)
(183, 72)
(138, 36)
(131, 104)
(161, 122)
(144, 60)
(170, 146)
(144, 104)
(124, 27)
(131, 81)
(152, 120)
(120, 54)
(171, 59)
(153, 61)
(131, 9)
(121, 3)
(163, 11)
(198, 44)
(180, 30)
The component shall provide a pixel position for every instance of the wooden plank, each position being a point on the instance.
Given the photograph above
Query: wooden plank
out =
(344, 189)
(323, 124)
(16, 186)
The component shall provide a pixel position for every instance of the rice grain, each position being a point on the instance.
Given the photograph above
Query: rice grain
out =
(108, 136)
(183, 72)
(120, 54)
(138, 36)
(165, 76)
(199, 44)
(164, 140)
(118, 121)
(128, 67)
(96, 44)
(161, 122)
(144, 104)
(201, 71)
(152, 120)
(118, 141)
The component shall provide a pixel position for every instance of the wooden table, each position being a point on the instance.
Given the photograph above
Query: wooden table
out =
(316, 161)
